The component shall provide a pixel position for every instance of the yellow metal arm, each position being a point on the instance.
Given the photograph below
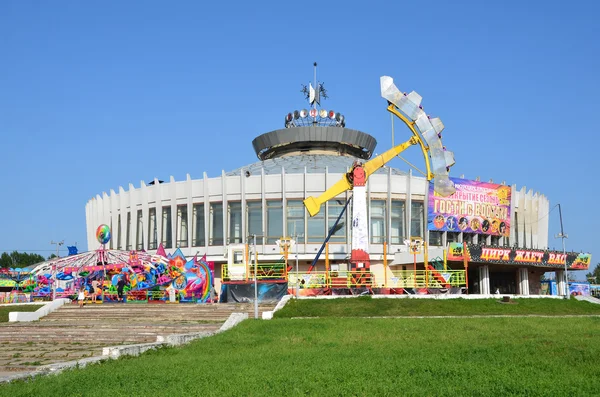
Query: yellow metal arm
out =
(373, 165)
(313, 205)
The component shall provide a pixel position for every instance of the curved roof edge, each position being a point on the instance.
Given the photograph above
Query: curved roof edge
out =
(335, 139)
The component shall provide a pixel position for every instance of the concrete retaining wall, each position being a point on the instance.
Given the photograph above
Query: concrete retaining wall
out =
(39, 313)
(280, 305)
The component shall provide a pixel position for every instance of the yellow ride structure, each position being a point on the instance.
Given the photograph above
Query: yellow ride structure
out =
(427, 134)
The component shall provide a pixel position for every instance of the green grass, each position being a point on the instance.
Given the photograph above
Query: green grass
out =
(367, 307)
(4, 310)
(355, 356)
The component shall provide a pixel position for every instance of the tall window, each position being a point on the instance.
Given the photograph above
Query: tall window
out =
(316, 227)
(335, 209)
(397, 226)
(216, 224)
(182, 226)
(139, 237)
(435, 238)
(495, 240)
(235, 222)
(274, 221)
(295, 220)
(119, 234)
(452, 237)
(416, 219)
(469, 238)
(377, 221)
(254, 220)
(167, 230)
(128, 245)
(198, 226)
(152, 232)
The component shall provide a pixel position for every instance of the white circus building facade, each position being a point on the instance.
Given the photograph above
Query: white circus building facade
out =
(230, 216)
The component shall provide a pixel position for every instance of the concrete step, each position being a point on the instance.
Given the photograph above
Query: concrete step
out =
(72, 332)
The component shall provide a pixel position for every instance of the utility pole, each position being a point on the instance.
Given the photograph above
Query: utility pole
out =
(58, 244)
(563, 236)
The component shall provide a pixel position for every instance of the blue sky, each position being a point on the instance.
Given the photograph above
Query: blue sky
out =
(97, 95)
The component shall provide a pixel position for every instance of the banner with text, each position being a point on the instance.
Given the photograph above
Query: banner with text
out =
(475, 207)
(518, 256)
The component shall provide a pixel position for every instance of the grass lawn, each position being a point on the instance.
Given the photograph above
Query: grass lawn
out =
(356, 356)
(367, 307)
(4, 310)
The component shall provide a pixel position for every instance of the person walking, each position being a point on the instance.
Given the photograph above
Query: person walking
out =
(95, 289)
(81, 295)
(120, 286)
(214, 297)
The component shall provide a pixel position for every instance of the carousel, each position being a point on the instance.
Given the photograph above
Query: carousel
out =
(158, 278)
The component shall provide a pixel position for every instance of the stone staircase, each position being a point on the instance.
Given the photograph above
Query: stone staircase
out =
(71, 333)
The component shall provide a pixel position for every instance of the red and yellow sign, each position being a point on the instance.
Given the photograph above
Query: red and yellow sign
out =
(478, 253)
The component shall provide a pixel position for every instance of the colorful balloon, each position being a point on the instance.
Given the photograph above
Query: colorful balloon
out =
(103, 234)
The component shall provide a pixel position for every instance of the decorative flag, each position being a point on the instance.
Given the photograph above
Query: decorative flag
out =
(314, 95)
(161, 250)
(72, 250)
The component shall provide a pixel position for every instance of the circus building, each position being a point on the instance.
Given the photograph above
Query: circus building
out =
(319, 214)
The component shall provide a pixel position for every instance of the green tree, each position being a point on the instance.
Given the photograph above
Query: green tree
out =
(594, 276)
(19, 259)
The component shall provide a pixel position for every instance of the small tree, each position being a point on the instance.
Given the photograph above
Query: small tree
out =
(594, 276)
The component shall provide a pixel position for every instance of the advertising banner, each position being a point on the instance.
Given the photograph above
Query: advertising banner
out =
(244, 293)
(518, 256)
(475, 207)
(579, 288)
(456, 252)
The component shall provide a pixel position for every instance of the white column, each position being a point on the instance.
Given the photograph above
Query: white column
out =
(173, 195)
(523, 281)
(560, 282)
(484, 280)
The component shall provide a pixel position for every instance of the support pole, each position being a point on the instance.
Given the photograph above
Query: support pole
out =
(385, 265)
(466, 265)
(425, 256)
(563, 236)
(255, 278)
(415, 272)
(297, 281)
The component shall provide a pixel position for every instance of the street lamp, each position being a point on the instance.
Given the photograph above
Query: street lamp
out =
(563, 236)
(58, 244)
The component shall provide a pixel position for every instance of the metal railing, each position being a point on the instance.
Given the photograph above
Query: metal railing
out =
(436, 278)
(426, 279)
(264, 272)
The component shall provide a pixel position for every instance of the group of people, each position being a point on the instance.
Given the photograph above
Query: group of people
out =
(95, 290)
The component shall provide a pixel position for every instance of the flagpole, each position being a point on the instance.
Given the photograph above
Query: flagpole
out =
(103, 270)
(316, 86)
